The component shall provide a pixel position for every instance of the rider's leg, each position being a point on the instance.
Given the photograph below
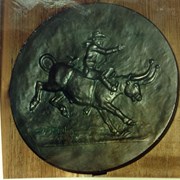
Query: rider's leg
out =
(109, 73)
(107, 84)
(104, 77)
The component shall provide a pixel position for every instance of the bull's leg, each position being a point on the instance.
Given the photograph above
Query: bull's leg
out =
(46, 86)
(37, 97)
(108, 122)
(115, 111)
(56, 101)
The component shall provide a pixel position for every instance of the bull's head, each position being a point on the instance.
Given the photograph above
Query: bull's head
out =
(132, 87)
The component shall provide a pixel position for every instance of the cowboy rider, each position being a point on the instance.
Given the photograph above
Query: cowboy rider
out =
(93, 50)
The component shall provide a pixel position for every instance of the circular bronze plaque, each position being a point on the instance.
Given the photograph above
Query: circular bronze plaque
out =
(94, 88)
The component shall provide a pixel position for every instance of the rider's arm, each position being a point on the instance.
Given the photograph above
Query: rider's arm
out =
(107, 51)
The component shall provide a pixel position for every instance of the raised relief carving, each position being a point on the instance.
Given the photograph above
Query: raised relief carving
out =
(94, 87)
(90, 87)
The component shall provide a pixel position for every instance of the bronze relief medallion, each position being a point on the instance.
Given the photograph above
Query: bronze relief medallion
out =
(93, 89)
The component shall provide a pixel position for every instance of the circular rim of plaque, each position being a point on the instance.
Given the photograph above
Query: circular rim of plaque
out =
(94, 88)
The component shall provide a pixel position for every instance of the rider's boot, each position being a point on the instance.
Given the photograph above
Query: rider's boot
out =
(109, 73)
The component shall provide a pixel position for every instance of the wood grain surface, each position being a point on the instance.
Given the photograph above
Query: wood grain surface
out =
(18, 160)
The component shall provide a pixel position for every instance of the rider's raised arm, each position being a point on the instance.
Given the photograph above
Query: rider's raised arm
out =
(105, 51)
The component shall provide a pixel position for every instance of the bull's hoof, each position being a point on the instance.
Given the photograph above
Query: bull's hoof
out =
(115, 133)
(129, 122)
(87, 111)
(33, 104)
(125, 134)
(64, 111)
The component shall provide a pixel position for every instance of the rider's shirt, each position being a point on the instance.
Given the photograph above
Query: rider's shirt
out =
(91, 57)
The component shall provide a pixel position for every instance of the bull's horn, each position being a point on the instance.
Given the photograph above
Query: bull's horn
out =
(144, 75)
(152, 76)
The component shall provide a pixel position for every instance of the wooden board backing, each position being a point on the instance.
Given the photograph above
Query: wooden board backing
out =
(18, 160)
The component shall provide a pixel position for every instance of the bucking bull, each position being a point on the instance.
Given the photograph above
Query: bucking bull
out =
(78, 89)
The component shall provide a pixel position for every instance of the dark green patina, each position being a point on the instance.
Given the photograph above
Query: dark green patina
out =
(93, 88)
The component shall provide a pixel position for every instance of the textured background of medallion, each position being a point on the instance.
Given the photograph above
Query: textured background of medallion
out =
(161, 161)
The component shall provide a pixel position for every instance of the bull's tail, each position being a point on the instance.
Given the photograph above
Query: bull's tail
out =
(46, 61)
